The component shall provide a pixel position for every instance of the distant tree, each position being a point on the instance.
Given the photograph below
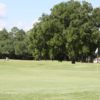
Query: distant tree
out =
(19, 42)
(70, 31)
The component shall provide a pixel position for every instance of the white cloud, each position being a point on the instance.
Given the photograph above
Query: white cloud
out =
(2, 9)
(24, 25)
(2, 14)
(2, 24)
(21, 25)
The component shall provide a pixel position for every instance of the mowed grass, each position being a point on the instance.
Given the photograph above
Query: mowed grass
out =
(48, 80)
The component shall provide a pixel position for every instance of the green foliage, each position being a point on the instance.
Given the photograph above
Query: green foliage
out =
(71, 30)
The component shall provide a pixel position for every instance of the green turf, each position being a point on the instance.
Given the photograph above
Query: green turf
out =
(47, 80)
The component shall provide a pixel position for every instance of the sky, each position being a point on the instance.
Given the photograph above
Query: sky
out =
(24, 13)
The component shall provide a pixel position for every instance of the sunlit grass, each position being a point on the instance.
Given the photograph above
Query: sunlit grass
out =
(48, 80)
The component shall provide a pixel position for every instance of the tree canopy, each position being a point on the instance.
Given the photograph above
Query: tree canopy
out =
(70, 31)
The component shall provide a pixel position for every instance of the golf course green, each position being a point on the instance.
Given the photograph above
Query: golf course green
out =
(49, 80)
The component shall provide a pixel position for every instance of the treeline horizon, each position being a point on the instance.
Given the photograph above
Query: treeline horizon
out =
(70, 32)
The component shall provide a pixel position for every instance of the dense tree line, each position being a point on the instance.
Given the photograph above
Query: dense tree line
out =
(69, 32)
(14, 44)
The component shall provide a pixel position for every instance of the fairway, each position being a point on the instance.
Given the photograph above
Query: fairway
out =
(48, 80)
